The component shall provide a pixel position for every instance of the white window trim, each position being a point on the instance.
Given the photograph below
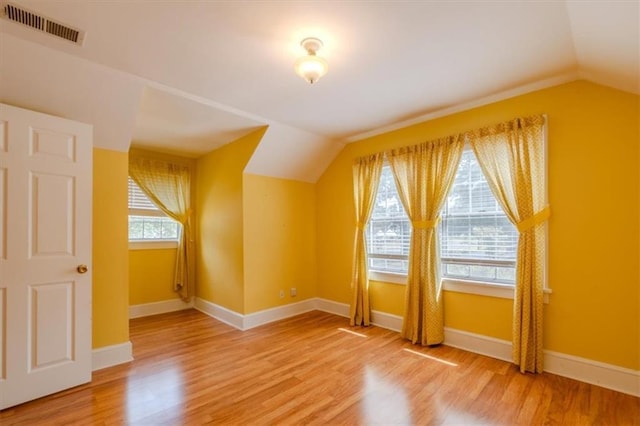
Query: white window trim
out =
(388, 277)
(481, 288)
(152, 244)
(545, 279)
(147, 212)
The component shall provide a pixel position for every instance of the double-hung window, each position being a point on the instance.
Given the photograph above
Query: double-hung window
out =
(389, 230)
(477, 241)
(147, 223)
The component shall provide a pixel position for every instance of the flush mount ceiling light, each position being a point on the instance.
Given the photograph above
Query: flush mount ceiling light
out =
(311, 67)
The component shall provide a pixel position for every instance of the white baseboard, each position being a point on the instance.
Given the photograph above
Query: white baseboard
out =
(155, 308)
(378, 318)
(478, 343)
(108, 356)
(608, 376)
(266, 316)
(385, 320)
(336, 308)
(585, 370)
(255, 319)
(220, 313)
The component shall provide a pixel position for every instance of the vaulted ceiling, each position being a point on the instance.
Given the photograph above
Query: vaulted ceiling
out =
(190, 76)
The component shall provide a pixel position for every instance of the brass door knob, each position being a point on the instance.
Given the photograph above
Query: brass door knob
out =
(82, 269)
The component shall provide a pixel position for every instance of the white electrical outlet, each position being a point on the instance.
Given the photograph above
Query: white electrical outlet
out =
(281, 294)
(293, 292)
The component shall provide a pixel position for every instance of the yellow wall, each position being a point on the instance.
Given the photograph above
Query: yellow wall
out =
(151, 273)
(594, 256)
(219, 220)
(279, 241)
(110, 248)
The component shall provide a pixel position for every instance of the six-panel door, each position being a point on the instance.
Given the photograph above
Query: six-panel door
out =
(45, 230)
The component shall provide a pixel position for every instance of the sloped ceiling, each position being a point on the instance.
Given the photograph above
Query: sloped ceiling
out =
(60, 84)
(187, 77)
(176, 124)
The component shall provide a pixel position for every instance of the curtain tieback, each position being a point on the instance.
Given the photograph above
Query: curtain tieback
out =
(425, 224)
(534, 220)
(360, 225)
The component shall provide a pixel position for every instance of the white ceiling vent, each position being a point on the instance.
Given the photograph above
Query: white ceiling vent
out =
(42, 23)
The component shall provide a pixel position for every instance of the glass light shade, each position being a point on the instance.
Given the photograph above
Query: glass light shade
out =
(311, 68)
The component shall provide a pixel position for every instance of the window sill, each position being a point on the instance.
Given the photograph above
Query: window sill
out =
(502, 291)
(388, 277)
(153, 245)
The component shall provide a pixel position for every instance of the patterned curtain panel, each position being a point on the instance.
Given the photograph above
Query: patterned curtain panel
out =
(366, 176)
(424, 174)
(511, 156)
(168, 185)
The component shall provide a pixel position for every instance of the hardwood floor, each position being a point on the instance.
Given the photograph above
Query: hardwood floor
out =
(314, 369)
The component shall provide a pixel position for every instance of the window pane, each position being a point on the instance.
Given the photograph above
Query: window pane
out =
(506, 274)
(152, 228)
(389, 231)
(135, 228)
(148, 222)
(487, 273)
(474, 231)
(169, 230)
(455, 270)
(398, 266)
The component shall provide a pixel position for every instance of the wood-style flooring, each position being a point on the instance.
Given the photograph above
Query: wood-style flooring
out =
(190, 369)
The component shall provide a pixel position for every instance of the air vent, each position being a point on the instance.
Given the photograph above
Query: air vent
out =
(41, 23)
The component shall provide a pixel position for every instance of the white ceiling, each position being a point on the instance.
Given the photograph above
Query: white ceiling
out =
(189, 76)
(172, 123)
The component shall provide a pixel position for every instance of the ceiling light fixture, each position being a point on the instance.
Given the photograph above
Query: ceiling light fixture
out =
(311, 67)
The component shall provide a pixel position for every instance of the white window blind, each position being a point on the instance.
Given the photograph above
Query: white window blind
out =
(146, 221)
(140, 203)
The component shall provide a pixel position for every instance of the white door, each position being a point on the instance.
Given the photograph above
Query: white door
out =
(45, 253)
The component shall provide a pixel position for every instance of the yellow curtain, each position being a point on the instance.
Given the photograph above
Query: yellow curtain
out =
(366, 177)
(424, 174)
(511, 156)
(168, 185)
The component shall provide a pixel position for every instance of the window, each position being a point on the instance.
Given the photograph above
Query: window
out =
(477, 240)
(389, 230)
(146, 221)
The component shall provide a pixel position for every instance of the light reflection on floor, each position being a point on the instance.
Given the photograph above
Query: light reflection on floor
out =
(433, 358)
(384, 402)
(158, 393)
(352, 332)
